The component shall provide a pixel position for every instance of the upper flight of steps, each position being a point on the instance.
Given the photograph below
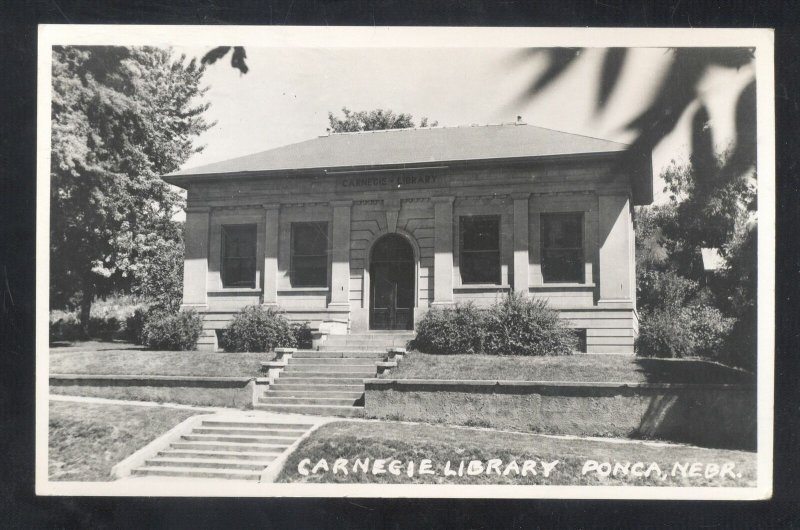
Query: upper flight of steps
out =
(330, 381)
(375, 341)
(224, 449)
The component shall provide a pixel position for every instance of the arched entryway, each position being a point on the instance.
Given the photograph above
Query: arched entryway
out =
(392, 283)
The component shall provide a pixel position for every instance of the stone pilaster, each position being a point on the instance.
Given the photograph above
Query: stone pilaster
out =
(340, 265)
(521, 258)
(272, 214)
(443, 251)
(195, 264)
(617, 260)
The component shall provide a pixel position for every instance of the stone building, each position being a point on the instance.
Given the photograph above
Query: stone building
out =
(356, 232)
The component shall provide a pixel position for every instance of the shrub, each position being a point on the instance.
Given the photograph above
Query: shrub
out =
(134, 326)
(693, 331)
(665, 333)
(104, 328)
(519, 325)
(302, 334)
(179, 331)
(741, 344)
(65, 325)
(709, 330)
(450, 331)
(108, 319)
(660, 289)
(258, 329)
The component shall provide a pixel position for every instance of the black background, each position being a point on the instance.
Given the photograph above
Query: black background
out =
(21, 509)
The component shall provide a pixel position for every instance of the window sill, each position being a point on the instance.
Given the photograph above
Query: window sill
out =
(481, 287)
(304, 290)
(235, 290)
(563, 284)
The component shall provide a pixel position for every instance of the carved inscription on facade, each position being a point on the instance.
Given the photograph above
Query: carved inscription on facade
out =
(388, 182)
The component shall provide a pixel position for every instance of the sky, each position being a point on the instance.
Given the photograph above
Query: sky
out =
(287, 94)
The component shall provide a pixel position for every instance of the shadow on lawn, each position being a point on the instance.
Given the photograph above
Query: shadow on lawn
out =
(708, 415)
(690, 371)
(97, 345)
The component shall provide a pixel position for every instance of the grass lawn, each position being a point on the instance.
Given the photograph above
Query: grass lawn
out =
(86, 440)
(121, 358)
(588, 368)
(440, 444)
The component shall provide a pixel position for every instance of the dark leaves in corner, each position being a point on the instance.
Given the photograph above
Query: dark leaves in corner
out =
(703, 158)
(559, 59)
(743, 156)
(610, 72)
(215, 54)
(237, 58)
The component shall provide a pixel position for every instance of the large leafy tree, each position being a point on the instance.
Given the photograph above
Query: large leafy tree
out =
(373, 120)
(709, 207)
(121, 117)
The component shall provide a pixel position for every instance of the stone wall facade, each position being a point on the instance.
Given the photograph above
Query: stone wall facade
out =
(424, 206)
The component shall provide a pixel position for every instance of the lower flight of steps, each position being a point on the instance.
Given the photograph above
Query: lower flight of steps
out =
(323, 383)
(224, 449)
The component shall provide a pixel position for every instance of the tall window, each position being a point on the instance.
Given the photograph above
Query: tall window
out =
(309, 259)
(479, 260)
(239, 256)
(562, 247)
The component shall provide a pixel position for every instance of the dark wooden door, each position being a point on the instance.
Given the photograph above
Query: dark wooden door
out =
(392, 284)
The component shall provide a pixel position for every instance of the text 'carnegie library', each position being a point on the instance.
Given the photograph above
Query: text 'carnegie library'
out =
(386, 181)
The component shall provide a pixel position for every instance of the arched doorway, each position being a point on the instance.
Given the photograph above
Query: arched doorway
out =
(392, 282)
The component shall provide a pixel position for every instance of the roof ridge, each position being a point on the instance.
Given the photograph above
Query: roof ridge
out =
(399, 129)
(578, 134)
(460, 142)
(470, 126)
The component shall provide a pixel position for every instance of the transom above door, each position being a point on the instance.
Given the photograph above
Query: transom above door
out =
(392, 284)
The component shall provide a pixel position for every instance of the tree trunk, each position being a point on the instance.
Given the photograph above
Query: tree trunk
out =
(86, 308)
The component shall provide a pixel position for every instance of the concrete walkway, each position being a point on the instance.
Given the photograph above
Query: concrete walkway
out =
(107, 401)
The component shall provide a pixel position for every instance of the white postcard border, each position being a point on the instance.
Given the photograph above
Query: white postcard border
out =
(395, 37)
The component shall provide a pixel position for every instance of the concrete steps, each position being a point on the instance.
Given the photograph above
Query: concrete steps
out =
(333, 372)
(323, 367)
(251, 425)
(274, 440)
(230, 446)
(291, 433)
(301, 385)
(297, 378)
(330, 381)
(196, 472)
(372, 354)
(234, 450)
(377, 341)
(236, 456)
(253, 465)
(348, 411)
(334, 361)
(207, 340)
(315, 400)
(342, 394)
(326, 383)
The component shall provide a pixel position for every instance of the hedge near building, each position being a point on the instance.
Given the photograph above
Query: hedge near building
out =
(514, 325)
